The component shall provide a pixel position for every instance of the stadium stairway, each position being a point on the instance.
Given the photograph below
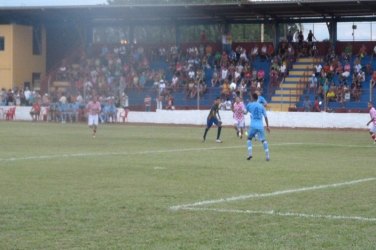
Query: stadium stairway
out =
(292, 88)
(350, 106)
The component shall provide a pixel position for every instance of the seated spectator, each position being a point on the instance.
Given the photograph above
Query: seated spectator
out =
(362, 51)
(260, 75)
(341, 94)
(331, 95)
(170, 103)
(307, 104)
(346, 70)
(316, 105)
(225, 90)
(35, 111)
(270, 51)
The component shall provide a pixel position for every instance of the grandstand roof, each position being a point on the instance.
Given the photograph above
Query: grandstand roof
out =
(235, 11)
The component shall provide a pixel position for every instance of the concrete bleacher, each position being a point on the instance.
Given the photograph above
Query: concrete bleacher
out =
(350, 106)
(181, 101)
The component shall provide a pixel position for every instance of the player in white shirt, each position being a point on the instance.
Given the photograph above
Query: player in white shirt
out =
(372, 128)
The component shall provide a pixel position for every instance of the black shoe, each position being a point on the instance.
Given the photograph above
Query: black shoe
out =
(249, 157)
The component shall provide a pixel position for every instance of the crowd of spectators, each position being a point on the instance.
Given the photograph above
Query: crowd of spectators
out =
(113, 72)
(341, 78)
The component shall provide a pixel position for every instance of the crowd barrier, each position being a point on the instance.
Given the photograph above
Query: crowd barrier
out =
(198, 117)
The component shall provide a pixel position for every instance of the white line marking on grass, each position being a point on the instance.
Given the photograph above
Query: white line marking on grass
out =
(285, 214)
(76, 155)
(276, 193)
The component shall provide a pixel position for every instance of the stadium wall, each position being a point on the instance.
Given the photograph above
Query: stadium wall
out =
(276, 119)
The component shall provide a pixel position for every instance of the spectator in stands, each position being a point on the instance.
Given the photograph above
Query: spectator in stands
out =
(300, 39)
(331, 94)
(264, 52)
(27, 94)
(289, 37)
(318, 69)
(307, 104)
(316, 105)
(226, 89)
(373, 80)
(254, 52)
(170, 103)
(341, 94)
(147, 103)
(373, 53)
(310, 38)
(10, 101)
(282, 52)
(313, 83)
(362, 51)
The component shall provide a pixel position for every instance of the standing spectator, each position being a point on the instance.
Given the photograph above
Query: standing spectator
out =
(147, 103)
(289, 37)
(27, 94)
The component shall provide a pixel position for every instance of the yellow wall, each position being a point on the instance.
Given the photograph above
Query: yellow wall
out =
(19, 53)
(6, 62)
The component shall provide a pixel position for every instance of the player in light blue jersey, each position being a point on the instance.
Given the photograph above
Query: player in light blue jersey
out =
(258, 114)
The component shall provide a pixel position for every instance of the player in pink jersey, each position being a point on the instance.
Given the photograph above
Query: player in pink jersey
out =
(239, 121)
(372, 129)
(93, 108)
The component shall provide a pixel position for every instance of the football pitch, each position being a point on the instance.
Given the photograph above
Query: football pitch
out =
(159, 187)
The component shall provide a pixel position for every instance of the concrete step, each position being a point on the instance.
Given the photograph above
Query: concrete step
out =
(303, 66)
(296, 73)
(279, 107)
(285, 98)
(288, 92)
(291, 86)
(307, 60)
(293, 79)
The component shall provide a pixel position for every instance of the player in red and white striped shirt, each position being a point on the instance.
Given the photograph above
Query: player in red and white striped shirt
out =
(372, 129)
(239, 120)
(93, 108)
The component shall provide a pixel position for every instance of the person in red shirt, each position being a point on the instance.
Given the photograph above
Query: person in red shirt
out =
(35, 111)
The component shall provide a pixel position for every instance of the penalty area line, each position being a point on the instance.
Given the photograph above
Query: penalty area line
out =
(284, 214)
(275, 193)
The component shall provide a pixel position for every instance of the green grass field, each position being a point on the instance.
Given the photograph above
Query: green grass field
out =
(140, 187)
